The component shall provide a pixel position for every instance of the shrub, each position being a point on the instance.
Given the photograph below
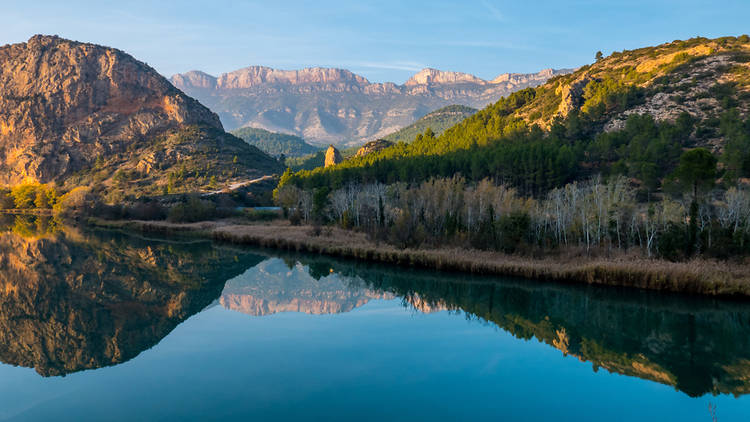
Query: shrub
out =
(192, 210)
(513, 228)
(673, 242)
(261, 215)
(6, 199)
(150, 210)
(76, 201)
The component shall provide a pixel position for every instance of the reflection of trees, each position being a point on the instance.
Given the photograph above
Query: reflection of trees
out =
(28, 225)
(72, 300)
(699, 345)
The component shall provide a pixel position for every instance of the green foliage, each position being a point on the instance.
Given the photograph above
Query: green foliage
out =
(320, 202)
(609, 95)
(736, 156)
(31, 195)
(697, 169)
(514, 228)
(191, 210)
(23, 196)
(530, 159)
(275, 144)
(438, 121)
(261, 215)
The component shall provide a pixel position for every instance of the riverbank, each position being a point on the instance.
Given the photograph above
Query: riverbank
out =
(699, 276)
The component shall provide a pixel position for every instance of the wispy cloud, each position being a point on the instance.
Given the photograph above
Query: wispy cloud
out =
(494, 11)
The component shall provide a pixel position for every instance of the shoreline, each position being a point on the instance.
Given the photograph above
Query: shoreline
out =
(698, 276)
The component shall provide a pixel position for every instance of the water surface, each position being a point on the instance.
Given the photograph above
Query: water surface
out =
(99, 325)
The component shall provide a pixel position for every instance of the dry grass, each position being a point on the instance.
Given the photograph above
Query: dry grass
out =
(698, 276)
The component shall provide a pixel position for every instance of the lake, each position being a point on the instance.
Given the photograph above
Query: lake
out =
(102, 325)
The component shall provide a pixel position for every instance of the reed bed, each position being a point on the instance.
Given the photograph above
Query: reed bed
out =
(699, 276)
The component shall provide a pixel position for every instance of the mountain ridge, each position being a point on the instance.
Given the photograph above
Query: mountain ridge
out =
(79, 113)
(337, 106)
(633, 113)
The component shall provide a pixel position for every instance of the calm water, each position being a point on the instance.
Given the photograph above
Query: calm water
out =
(107, 326)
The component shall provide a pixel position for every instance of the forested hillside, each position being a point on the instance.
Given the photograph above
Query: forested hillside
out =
(438, 121)
(275, 144)
(631, 113)
(647, 148)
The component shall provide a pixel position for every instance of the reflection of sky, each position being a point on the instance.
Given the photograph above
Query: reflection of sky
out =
(378, 362)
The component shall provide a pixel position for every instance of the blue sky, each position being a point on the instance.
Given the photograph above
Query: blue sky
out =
(383, 40)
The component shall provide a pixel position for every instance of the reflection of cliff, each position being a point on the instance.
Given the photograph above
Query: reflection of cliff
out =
(273, 286)
(73, 301)
(698, 345)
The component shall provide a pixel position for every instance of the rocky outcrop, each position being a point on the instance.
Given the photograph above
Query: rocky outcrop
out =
(333, 156)
(572, 95)
(65, 104)
(337, 106)
(373, 146)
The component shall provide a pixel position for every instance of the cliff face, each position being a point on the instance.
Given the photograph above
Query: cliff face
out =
(337, 106)
(65, 104)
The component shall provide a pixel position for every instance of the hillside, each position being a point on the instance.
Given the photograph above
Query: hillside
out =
(631, 113)
(337, 106)
(80, 114)
(438, 121)
(275, 144)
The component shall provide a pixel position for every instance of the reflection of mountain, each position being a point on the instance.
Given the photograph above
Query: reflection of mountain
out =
(273, 286)
(697, 345)
(71, 301)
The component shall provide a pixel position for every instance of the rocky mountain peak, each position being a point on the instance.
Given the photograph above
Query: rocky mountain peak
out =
(195, 79)
(337, 106)
(64, 104)
(253, 76)
(429, 76)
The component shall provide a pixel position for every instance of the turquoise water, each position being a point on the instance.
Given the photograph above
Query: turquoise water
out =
(104, 326)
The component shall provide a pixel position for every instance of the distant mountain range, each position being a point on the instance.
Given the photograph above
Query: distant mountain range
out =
(632, 113)
(336, 106)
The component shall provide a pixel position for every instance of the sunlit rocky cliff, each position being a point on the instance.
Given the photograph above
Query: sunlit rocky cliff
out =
(71, 110)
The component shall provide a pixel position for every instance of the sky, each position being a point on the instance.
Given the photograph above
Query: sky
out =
(383, 40)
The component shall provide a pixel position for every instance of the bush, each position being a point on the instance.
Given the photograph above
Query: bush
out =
(6, 200)
(151, 210)
(673, 242)
(513, 228)
(77, 201)
(192, 210)
(261, 215)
